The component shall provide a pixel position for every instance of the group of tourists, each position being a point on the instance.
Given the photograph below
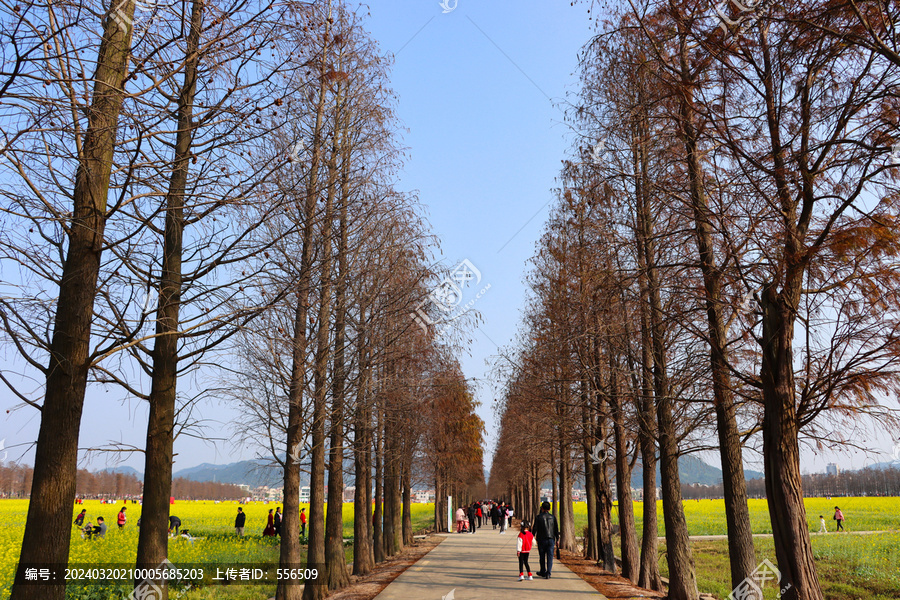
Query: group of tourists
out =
(90, 531)
(470, 518)
(273, 523)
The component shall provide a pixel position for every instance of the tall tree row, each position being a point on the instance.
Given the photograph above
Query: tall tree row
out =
(212, 183)
(719, 265)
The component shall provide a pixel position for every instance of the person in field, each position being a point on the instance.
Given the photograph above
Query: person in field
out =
(174, 523)
(822, 528)
(523, 548)
(120, 519)
(839, 517)
(278, 521)
(79, 520)
(100, 528)
(269, 531)
(239, 521)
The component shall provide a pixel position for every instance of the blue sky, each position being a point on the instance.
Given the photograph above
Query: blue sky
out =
(481, 90)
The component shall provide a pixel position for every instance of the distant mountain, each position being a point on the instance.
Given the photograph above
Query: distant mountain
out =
(124, 471)
(693, 471)
(891, 464)
(250, 472)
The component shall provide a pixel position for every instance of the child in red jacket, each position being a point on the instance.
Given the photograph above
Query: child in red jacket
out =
(523, 547)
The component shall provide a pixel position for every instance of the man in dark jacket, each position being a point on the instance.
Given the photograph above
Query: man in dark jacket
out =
(471, 514)
(546, 531)
(239, 522)
(495, 516)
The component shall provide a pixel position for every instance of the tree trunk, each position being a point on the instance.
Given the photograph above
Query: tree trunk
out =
(363, 561)
(48, 527)
(781, 451)
(334, 566)
(649, 576)
(591, 546)
(627, 529)
(407, 505)
(335, 561)
(566, 508)
(290, 555)
(378, 518)
(737, 514)
(153, 537)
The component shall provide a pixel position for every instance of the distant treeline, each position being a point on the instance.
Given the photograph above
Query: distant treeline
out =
(15, 482)
(866, 482)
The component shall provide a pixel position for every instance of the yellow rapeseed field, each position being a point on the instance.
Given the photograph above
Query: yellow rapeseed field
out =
(213, 522)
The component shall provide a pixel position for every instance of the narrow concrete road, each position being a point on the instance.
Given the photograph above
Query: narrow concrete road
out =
(483, 566)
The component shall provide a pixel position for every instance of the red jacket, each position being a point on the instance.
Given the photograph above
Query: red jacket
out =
(525, 542)
(121, 518)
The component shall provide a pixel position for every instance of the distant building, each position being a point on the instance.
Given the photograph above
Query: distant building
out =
(832, 469)
(304, 495)
(349, 493)
(423, 496)
(265, 493)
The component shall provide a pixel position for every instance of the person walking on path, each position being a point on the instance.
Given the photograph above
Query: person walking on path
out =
(508, 513)
(495, 516)
(174, 523)
(502, 518)
(239, 521)
(79, 520)
(822, 528)
(302, 521)
(839, 517)
(546, 530)
(523, 547)
(478, 512)
(278, 521)
(269, 531)
(460, 519)
(472, 518)
(120, 520)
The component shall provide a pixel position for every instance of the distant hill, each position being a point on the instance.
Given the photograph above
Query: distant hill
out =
(124, 471)
(693, 471)
(250, 472)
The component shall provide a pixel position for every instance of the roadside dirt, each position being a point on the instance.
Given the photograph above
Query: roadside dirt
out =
(612, 586)
(369, 586)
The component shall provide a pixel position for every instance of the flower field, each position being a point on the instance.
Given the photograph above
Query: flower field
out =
(851, 567)
(212, 522)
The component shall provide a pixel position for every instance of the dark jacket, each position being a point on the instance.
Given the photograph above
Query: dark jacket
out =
(471, 513)
(545, 527)
(174, 522)
(240, 519)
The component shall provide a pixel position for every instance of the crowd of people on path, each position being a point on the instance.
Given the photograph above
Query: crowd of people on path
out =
(543, 534)
(472, 517)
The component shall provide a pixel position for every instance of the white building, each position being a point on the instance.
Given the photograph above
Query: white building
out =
(304, 495)
(423, 496)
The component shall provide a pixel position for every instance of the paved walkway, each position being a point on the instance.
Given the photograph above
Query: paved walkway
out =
(483, 566)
